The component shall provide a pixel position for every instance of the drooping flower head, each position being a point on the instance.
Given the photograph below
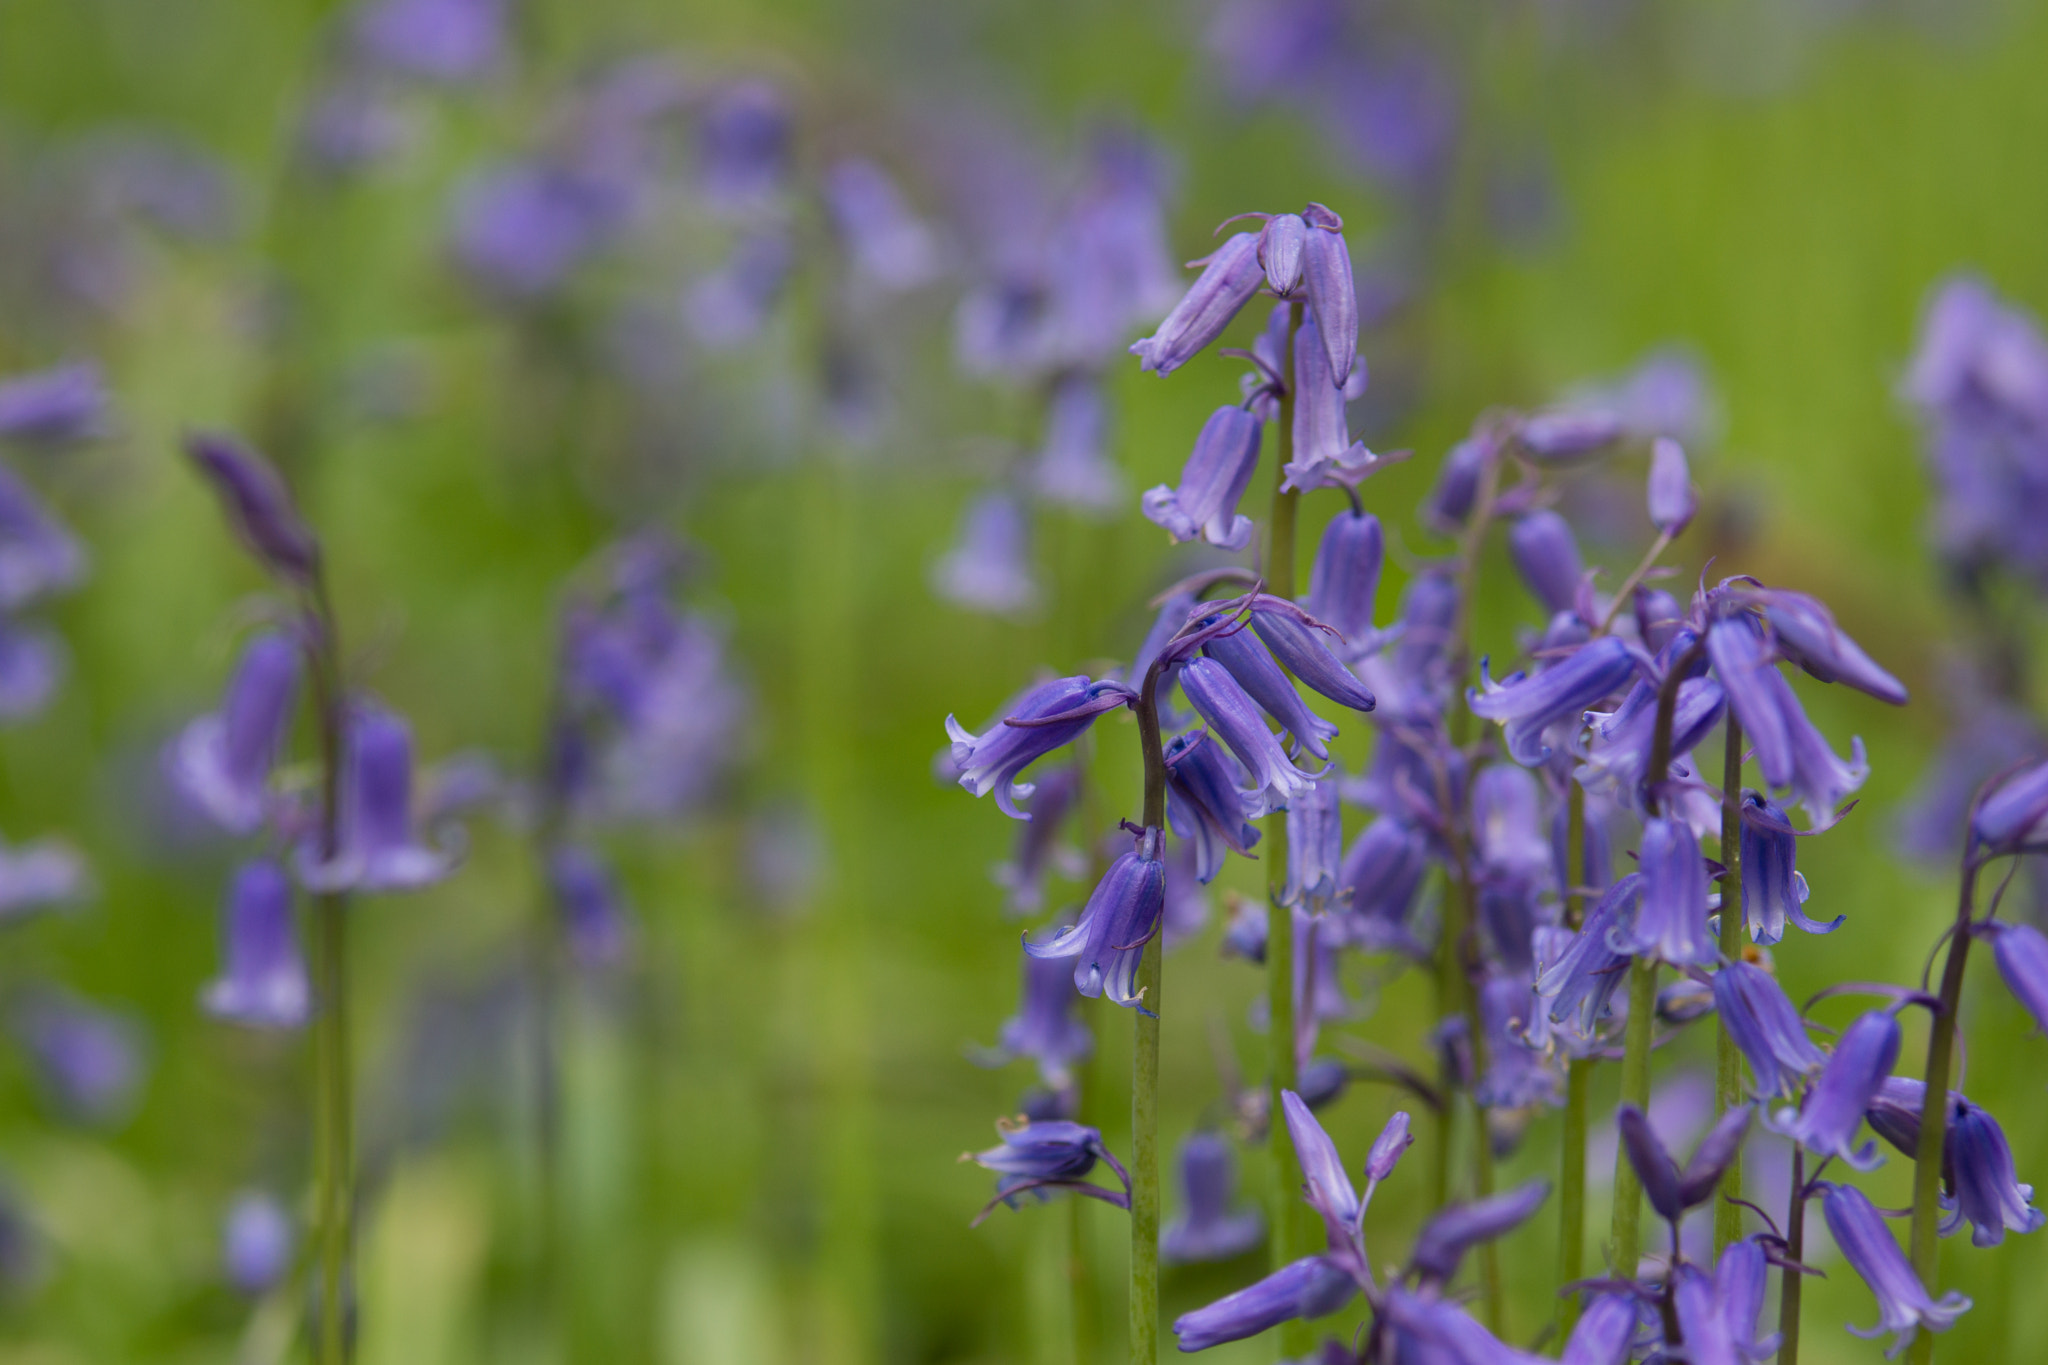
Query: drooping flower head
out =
(1208, 1230)
(221, 762)
(1121, 917)
(263, 982)
(1903, 1303)
(1049, 717)
(379, 846)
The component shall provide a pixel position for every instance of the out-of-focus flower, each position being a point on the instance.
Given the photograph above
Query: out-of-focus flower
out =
(745, 146)
(441, 40)
(55, 407)
(1045, 1027)
(1073, 468)
(1456, 1229)
(1208, 1230)
(2021, 951)
(1765, 1027)
(731, 305)
(1547, 556)
(259, 507)
(88, 1060)
(263, 980)
(989, 567)
(256, 1243)
(1345, 579)
(1903, 1303)
(1673, 499)
(221, 761)
(379, 848)
(520, 228)
(42, 875)
(886, 243)
(595, 922)
(38, 557)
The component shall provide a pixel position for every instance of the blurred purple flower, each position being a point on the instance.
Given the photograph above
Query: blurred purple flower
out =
(1045, 1027)
(257, 1240)
(379, 848)
(1208, 1230)
(1072, 467)
(88, 1060)
(595, 922)
(989, 569)
(440, 40)
(744, 146)
(55, 407)
(259, 506)
(887, 245)
(221, 761)
(263, 981)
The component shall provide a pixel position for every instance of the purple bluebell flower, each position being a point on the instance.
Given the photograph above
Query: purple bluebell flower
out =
(1605, 1331)
(1577, 974)
(1045, 1027)
(1789, 751)
(1740, 1278)
(1261, 679)
(1701, 1325)
(1382, 873)
(1526, 705)
(1773, 889)
(1208, 1230)
(88, 1060)
(1450, 1233)
(1230, 276)
(1312, 1287)
(595, 921)
(1211, 483)
(351, 123)
(1429, 1330)
(1556, 437)
(256, 1243)
(886, 243)
(1507, 822)
(1280, 243)
(42, 875)
(1618, 760)
(1826, 1124)
(2021, 952)
(1315, 847)
(441, 40)
(1805, 632)
(519, 229)
(1987, 1190)
(38, 557)
(1652, 1162)
(1509, 913)
(1073, 467)
(1344, 581)
(744, 146)
(1324, 455)
(1546, 554)
(2012, 816)
(1766, 1028)
(263, 981)
(1261, 47)
(1517, 1074)
(1596, 851)
(1187, 899)
(1244, 935)
(1120, 918)
(1037, 847)
(1673, 499)
(61, 406)
(1658, 617)
(729, 307)
(1213, 692)
(1903, 1303)
(989, 567)
(1203, 803)
(379, 849)
(1326, 279)
(1671, 917)
(1298, 642)
(1173, 614)
(221, 762)
(1894, 1115)
(992, 760)
(1450, 502)
(32, 662)
(259, 507)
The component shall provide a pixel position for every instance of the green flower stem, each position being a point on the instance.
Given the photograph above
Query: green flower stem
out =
(1144, 1298)
(1727, 1057)
(1571, 1175)
(333, 1103)
(1794, 1283)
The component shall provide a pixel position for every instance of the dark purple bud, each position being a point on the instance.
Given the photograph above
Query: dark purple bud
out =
(595, 923)
(1605, 1332)
(1208, 1230)
(1826, 1124)
(989, 567)
(32, 662)
(1394, 1139)
(1315, 848)
(1597, 855)
(2021, 952)
(1326, 1186)
(1773, 889)
(1673, 500)
(886, 244)
(1324, 455)
(1203, 802)
(744, 146)
(1045, 1027)
(1894, 1115)
(1280, 244)
(1344, 581)
(1527, 705)
(1449, 1234)
(1766, 1029)
(87, 1060)
(256, 1244)
(1671, 920)
(259, 506)
(221, 762)
(263, 981)
(1986, 1188)
(1033, 854)
(1806, 633)
(1652, 1162)
(1552, 437)
(56, 407)
(1120, 918)
(1312, 1287)
(2012, 816)
(379, 847)
(1547, 556)
(439, 40)
(1711, 1159)
(1211, 483)
(1326, 278)
(1903, 1303)
(1229, 279)
(1301, 648)
(1234, 719)
(1265, 684)
(992, 760)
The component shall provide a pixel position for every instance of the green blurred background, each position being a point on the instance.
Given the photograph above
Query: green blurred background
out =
(764, 1114)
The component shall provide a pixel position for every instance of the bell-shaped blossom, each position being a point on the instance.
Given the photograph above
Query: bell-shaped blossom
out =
(60, 406)
(259, 507)
(1507, 822)
(1578, 974)
(887, 245)
(1673, 499)
(1805, 632)
(263, 981)
(1312, 1287)
(1740, 1279)
(1211, 484)
(1671, 917)
(1204, 804)
(221, 762)
(32, 663)
(2015, 814)
(1652, 1163)
(1315, 847)
(1658, 616)
(595, 922)
(38, 557)
(1381, 875)
(1894, 1114)
(520, 228)
(1986, 1188)
(87, 1060)
(1121, 916)
(1766, 1028)
(378, 848)
(1509, 914)
(1073, 467)
(1526, 705)
(1324, 455)
(1789, 751)
(1332, 294)
(1517, 1074)
(1566, 435)
(989, 567)
(1344, 581)
(439, 40)
(1234, 719)
(1606, 1330)
(1230, 276)
(1826, 1124)
(1208, 1230)
(1423, 1327)
(1037, 847)
(1903, 1303)
(1773, 888)
(1546, 554)
(1261, 678)
(1280, 244)
(1043, 1151)
(1450, 502)
(1618, 760)
(1056, 713)
(1457, 1228)
(1305, 651)
(1045, 1027)
(257, 1242)
(2021, 952)
(1701, 1325)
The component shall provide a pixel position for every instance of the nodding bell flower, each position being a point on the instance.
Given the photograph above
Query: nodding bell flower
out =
(1203, 803)
(2014, 815)
(2022, 955)
(263, 983)
(1120, 918)
(1701, 1324)
(1517, 1074)
(1073, 468)
(1658, 616)
(1324, 455)
(1527, 705)
(595, 923)
(1894, 1115)
(1261, 678)
(1382, 873)
(1449, 1234)
(1507, 822)
(1280, 243)
(1311, 1287)
(1789, 751)
(38, 557)
(256, 1244)
(1315, 847)
(887, 245)
(1056, 1152)
(1211, 484)
(87, 1060)
(1045, 1027)
(1773, 889)
(1299, 642)
(989, 567)
(42, 875)
(1230, 276)
(1903, 1303)
(1826, 1124)
(438, 40)
(1740, 1278)
(1450, 502)
(1671, 917)
(259, 507)
(1037, 845)
(1215, 694)
(1766, 1028)
(1557, 437)
(1806, 633)
(1509, 913)
(221, 762)
(1577, 974)
(1673, 499)
(1987, 1190)
(1332, 294)
(1625, 739)
(378, 848)
(1052, 715)
(1208, 1230)
(1605, 1332)
(1546, 554)
(1424, 1327)
(1344, 581)
(55, 407)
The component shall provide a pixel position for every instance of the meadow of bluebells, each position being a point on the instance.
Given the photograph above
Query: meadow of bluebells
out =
(1486, 563)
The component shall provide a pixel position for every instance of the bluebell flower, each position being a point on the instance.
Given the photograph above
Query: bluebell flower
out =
(1507, 822)
(1280, 242)
(1304, 649)
(1670, 922)
(1903, 1303)
(992, 760)
(1230, 276)
(1805, 632)
(256, 1243)
(442, 40)
(60, 406)
(1344, 581)
(1262, 680)
(263, 981)
(595, 922)
(379, 848)
(1324, 455)
(989, 567)
(87, 1060)
(1527, 705)
(2021, 952)
(1332, 294)
(259, 507)
(1826, 1123)
(1244, 935)
(1073, 467)
(745, 146)
(1701, 1324)
(1232, 717)
(1740, 1279)
(1120, 918)
(1207, 1229)
(886, 244)
(1564, 435)
(1894, 1114)
(1766, 1028)
(1606, 1329)
(1546, 554)
(221, 761)
(1658, 617)
(1577, 974)
(1989, 735)
(729, 307)
(32, 663)
(1673, 499)
(1311, 1287)
(1517, 1074)
(1315, 847)
(1430, 1330)
(2012, 816)
(1048, 1154)
(519, 229)
(42, 875)
(1789, 751)
(1052, 800)
(1986, 1188)
(1203, 802)
(1773, 889)
(1211, 484)
(1382, 873)
(1618, 759)
(1045, 1027)
(1457, 1228)
(1652, 1163)
(38, 556)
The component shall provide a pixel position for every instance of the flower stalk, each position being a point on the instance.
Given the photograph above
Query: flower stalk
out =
(334, 1118)
(1794, 1282)
(1144, 1296)
(1571, 1176)
(1727, 1057)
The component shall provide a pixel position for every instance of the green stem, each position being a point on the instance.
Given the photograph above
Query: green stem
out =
(334, 1118)
(1727, 1057)
(1794, 1283)
(1941, 1041)
(1144, 1305)
(1571, 1176)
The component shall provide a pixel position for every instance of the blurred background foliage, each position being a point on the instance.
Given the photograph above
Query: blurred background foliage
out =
(763, 1108)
